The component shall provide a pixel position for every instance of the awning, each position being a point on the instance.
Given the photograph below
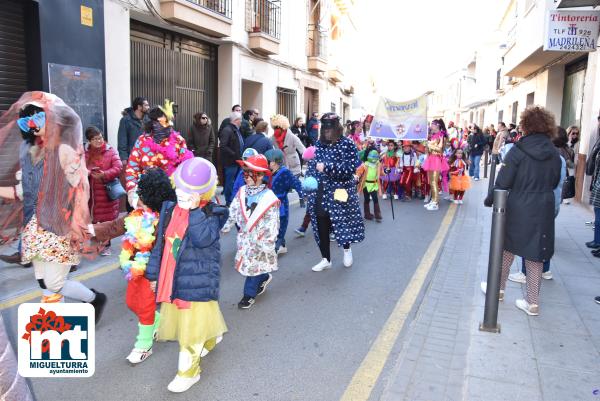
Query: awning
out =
(577, 3)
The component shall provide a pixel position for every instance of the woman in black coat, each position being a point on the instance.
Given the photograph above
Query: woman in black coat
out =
(530, 172)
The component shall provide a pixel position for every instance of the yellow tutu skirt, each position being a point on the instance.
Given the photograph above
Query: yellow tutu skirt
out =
(460, 182)
(200, 323)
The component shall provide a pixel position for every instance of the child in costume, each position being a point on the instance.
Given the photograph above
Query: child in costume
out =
(459, 180)
(138, 229)
(186, 262)
(283, 181)
(154, 188)
(368, 176)
(435, 163)
(255, 210)
(422, 179)
(239, 180)
(407, 165)
(307, 156)
(389, 172)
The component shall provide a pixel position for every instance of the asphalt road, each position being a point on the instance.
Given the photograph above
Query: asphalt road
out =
(303, 340)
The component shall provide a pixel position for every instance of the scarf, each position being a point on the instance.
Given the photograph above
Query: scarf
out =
(159, 133)
(280, 137)
(95, 155)
(253, 191)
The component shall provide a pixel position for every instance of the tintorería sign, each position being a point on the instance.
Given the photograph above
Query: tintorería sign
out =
(572, 31)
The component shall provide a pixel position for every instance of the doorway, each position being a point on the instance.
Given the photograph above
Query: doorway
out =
(311, 101)
(252, 95)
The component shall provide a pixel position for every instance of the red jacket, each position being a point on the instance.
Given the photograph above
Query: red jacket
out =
(102, 208)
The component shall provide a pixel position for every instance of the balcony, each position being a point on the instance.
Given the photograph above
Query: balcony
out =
(211, 17)
(263, 24)
(335, 75)
(317, 49)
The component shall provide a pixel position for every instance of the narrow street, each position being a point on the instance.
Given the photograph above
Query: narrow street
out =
(303, 340)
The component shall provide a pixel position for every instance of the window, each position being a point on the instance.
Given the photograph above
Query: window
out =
(286, 103)
(530, 98)
(501, 116)
(333, 107)
(515, 109)
(498, 79)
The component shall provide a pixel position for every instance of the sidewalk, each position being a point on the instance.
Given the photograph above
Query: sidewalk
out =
(554, 356)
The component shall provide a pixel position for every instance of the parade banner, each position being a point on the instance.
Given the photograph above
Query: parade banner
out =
(572, 31)
(400, 120)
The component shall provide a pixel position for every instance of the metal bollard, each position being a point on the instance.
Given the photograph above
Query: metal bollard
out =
(492, 174)
(490, 314)
(485, 163)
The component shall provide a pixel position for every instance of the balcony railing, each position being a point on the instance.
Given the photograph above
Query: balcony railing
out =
(317, 42)
(222, 7)
(264, 16)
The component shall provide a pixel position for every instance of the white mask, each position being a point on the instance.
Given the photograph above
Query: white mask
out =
(184, 200)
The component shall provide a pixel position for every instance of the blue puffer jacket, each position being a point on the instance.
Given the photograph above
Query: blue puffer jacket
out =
(197, 273)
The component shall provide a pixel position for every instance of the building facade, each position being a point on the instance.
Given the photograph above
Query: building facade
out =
(512, 71)
(207, 55)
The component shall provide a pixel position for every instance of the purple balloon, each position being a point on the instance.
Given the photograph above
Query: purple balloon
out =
(195, 176)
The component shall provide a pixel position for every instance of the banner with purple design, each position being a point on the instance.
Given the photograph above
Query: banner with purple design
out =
(400, 120)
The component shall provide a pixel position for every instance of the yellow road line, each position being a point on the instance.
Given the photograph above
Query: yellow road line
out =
(37, 293)
(366, 376)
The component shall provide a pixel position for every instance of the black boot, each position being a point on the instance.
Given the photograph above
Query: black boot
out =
(377, 212)
(98, 303)
(368, 215)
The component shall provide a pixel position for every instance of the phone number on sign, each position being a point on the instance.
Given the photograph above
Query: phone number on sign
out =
(576, 47)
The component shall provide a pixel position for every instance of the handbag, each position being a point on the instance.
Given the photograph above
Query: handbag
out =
(114, 189)
(568, 189)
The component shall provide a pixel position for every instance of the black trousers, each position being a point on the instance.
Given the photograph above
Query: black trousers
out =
(324, 228)
(372, 195)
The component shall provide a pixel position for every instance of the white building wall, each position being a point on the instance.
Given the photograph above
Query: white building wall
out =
(117, 65)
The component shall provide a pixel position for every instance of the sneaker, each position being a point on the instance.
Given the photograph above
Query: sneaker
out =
(530, 309)
(476, 178)
(427, 199)
(73, 268)
(396, 197)
(547, 275)
(281, 250)
(98, 303)
(592, 245)
(246, 302)
(138, 355)
(322, 265)
(518, 277)
(11, 259)
(384, 197)
(460, 202)
(332, 236)
(300, 231)
(180, 384)
(597, 299)
(483, 287)
(432, 206)
(456, 202)
(106, 252)
(205, 351)
(263, 286)
(348, 257)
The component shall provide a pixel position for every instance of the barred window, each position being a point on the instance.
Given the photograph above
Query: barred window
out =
(286, 103)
